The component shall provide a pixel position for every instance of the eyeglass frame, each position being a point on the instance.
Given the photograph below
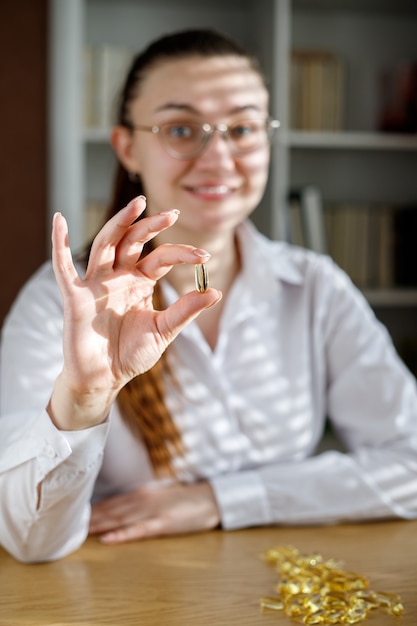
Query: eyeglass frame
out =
(271, 125)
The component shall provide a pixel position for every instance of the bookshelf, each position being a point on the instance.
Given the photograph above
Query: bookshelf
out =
(81, 160)
(353, 163)
(358, 164)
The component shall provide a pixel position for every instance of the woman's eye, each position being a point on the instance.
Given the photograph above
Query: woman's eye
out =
(180, 131)
(242, 129)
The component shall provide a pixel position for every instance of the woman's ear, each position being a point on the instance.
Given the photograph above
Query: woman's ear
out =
(121, 139)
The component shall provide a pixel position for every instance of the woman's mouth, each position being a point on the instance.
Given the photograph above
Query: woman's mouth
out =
(211, 191)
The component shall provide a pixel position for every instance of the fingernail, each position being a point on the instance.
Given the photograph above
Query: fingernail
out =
(201, 253)
(134, 200)
(219, 297)
(172, 211)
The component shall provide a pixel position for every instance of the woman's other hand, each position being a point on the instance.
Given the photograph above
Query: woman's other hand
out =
(155, 511)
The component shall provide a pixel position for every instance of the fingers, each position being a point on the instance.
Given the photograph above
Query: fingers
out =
(62, 263)
(131, 246)
(155, 265)
(103, 250)
(152, 527)
(120, 242)
(158, 262)
(171, 510)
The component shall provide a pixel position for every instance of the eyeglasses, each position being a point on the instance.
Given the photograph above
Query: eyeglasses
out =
(187, 140)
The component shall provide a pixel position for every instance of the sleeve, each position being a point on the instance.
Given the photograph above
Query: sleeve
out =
(46, 475)
(371, 399)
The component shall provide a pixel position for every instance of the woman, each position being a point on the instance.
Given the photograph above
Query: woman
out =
(223, 429)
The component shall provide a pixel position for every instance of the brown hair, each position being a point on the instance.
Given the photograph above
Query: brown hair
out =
(142, 400)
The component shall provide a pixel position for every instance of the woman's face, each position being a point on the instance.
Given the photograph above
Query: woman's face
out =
(217, 189)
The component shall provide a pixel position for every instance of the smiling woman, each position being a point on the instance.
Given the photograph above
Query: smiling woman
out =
(131, 406)
(214, 107)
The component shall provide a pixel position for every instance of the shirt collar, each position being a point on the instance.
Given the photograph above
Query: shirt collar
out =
(268, 259)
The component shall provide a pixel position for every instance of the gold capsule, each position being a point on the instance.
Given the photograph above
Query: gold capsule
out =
(269, 602)
(314, 591)
(201, 278)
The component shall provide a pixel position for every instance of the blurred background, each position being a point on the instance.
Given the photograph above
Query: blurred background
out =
(23, 153)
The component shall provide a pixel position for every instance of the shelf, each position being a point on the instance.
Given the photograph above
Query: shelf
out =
(349, 140)
(391, 297)
(377, 6)
(311, 139)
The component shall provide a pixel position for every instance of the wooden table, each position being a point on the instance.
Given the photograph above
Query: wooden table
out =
(207, 579)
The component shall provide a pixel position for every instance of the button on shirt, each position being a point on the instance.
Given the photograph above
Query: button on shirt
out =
(297, 343)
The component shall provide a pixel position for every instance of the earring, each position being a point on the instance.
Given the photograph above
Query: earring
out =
(133, 177)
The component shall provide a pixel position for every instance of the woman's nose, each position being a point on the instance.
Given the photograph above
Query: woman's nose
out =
(218, 145)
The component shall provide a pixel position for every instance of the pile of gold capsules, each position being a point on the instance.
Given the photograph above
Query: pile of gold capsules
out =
(314, 591)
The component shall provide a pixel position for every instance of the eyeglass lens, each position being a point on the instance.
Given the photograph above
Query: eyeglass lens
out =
(189, 139)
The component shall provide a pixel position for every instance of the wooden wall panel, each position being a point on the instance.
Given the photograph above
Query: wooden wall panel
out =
(23, 132)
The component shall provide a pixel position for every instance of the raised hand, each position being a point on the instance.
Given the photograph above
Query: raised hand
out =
(111, 330)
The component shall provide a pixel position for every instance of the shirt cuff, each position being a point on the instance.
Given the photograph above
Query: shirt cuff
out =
(242, 500)
(88, 443)
(35, 436)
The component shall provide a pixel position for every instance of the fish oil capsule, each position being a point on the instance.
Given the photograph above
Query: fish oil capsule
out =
(313, 591)
(201, 278)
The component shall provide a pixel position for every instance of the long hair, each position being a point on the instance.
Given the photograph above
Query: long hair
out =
(141, 401)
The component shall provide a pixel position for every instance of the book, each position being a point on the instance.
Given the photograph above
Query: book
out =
(398, 98)
(405, 248)
(295, 234)
(317, 90)
(307, 218)
(384, 256)
(105, 69)
(373, 244)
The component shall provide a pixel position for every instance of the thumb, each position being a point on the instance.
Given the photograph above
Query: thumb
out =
(184, 310)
